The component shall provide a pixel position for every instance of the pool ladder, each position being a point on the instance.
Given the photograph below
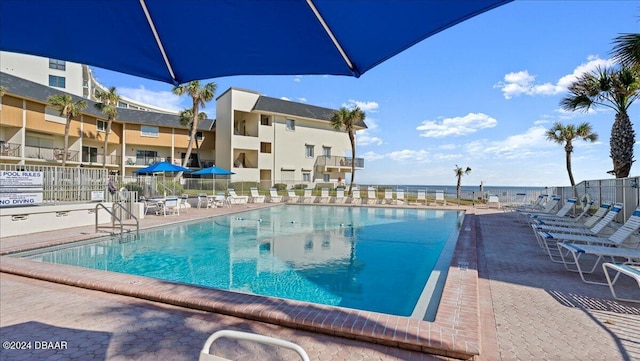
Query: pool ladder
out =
(115, 218)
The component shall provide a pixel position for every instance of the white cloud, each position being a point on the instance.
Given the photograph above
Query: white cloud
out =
(449, 146)
(372, 156)
(162, 99)
(302, 100)
(285, 98)
(531, 143)
(363, 138)
(367, 107)
(457, 126)
(518, 83)
(297, 78)
(407, 155)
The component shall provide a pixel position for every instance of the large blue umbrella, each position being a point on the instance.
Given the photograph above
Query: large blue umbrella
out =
(162, 167)
(214, 171)
(155, 38)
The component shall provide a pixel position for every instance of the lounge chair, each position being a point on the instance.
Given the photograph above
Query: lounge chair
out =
(205, 353)
(493, 200)
(307, 197)
(339, 198)
(292, 196)
(560, 214)
(536, 206)
(233, 198)
(255, 196)
(421, 197)
(548, 208)
(614, 247)
(388, 196)
(204, 201)
(440, 198)
(400, 197)
(549, 236)
(355, 197)
(574, 222)
(372, 198)
(219, 200)
(151, 206)
(324, 195)
(274, 197)
(171, 206)
(519, 200)
(184, 203)
(631, 269)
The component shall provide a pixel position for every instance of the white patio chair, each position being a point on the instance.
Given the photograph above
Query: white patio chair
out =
(493, 200)
(324, 195)
(205, 353)
(440, 198)
(256, 197)
(171, 206)
(273, 196)
(388, 197)
(560, 214)
(233, 198)
(339, 198)
(577, 222)
(203, 201)
(421, 197)
(372, 198)
(184, 203)
(631, 269)
(519, 200)
(400, 197)
(308, 197)
(292, 197)
(355, 197)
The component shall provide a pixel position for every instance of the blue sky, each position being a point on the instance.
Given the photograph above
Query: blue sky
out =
(479, 95)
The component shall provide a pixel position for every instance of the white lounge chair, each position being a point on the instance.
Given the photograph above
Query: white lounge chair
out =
(355, 197)
(372, 198)
(273, 196)
(339, 198)
(171, 206)
(421, 197)
(549, 236)
(614, 247)
(151, 206)
(519, 200)
(307, 197)
(256, 197)
(219, 200)
(548, 208)
(292, 197)
(576, 222)
(440, 198)
(324, 196)
(536, 206)
(205, 353)
(388, 196)
(400, 197)
(493, 200)
(560, 214)
(184, 203)
(233, 198)
(631, 269)
(204, 201)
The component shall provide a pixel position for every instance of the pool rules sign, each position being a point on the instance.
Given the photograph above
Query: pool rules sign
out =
(20, 188)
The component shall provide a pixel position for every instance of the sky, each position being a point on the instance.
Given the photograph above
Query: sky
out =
(480, 94)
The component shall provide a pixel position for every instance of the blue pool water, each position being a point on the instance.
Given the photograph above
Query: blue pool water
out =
(375, 259)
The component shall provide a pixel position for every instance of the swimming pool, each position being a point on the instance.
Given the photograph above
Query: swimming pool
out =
(374, 259)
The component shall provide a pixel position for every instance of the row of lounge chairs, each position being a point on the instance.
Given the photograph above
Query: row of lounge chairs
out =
(390, 197)
(586, 243)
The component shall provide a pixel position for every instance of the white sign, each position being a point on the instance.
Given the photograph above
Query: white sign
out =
(20, 199)
(11, 178)
(97, 195)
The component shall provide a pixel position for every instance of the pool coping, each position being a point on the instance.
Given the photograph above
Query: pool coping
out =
(454, 333)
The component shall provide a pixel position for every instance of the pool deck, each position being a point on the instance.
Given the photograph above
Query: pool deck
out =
(504, 300)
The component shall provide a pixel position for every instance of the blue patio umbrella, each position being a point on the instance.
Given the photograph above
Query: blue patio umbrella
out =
(213, 171)
(149, 39)
(162, 167)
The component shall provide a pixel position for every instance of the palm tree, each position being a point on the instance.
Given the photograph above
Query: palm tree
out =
(626, 49)
(109, 106)
(459, 173)
(3, 90)
(70, 110)
(186, 119)
(200, 96)
(565, 134)
(616, 89)
(346, 119)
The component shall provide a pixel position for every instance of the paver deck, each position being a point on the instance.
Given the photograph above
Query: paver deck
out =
(528, 308)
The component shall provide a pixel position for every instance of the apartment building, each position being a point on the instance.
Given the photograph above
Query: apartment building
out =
(259, 138)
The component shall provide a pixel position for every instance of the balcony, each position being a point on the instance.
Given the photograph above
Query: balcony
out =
(93, 159)
(337, 164)
(10, 149)
(50, 154)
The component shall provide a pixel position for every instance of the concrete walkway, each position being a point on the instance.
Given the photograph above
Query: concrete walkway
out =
(531, 309)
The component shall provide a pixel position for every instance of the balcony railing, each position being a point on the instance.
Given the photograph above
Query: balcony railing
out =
(50, 154)
(334, 161)
(10, 149)
(97, 159)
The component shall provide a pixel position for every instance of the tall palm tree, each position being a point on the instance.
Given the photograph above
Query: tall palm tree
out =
(565, 134)
(2, 91)
(109, 106)
(459, 173)
(626, 49)
(616, 89)
(70, 110)
(186, 119)
(346, 119)
(200, 97)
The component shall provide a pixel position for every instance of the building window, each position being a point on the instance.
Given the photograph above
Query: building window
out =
(57, 81)
(89, 154)
(291, 124)
(101, 125)
(326, 151)
(123, 105)
(146, 157)
(57, 64)
(326, 177)
(306, 177)
(149, 131)
(265, 120)
(308, 150)
(265, 147)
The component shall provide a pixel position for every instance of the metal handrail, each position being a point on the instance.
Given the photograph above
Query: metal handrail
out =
(115, 218)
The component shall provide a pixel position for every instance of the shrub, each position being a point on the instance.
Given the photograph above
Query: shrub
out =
(133, 187)
(280, 187)
(299, 186)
